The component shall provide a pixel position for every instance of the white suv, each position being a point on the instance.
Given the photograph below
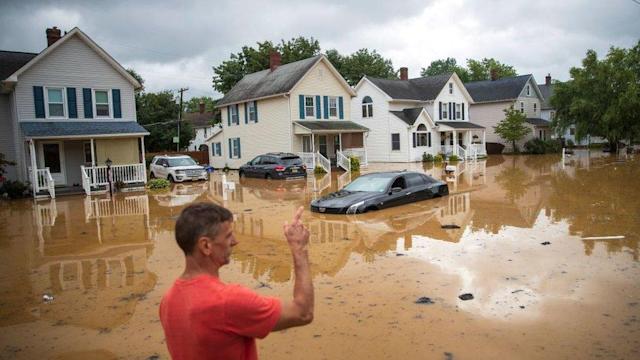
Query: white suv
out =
(177, 168)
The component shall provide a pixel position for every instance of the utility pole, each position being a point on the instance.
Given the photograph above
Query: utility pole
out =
(182, 90)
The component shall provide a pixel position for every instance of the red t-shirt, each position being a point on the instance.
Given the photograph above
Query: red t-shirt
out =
(204, 318)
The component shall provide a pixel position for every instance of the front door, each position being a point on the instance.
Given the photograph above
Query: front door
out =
(322, 140)
(52, 156)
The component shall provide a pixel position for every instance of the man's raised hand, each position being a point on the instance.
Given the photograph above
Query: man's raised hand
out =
(296, 233)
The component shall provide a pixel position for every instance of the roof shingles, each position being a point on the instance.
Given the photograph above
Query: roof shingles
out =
(11, 61)
(497, 90)
(43, 129)
(420, 89)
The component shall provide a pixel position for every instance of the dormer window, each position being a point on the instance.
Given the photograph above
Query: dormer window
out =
(55, 103)
(367, 107)
(102, 103)
(450, 88)
(253, 116)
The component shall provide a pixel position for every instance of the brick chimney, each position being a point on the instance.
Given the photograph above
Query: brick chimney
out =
(494, 74)
(53, 35)
(201, 107)
(404, 73)
(274, 60)
(547, 79)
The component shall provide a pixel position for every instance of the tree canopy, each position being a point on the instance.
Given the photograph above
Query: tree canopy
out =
(252, 59)
(602, 98)
(476, 70)
(193, 104)
(512, 127)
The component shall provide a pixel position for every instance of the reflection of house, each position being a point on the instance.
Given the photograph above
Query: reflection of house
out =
(65, 111)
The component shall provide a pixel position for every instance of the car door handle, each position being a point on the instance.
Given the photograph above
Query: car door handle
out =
(408, 193)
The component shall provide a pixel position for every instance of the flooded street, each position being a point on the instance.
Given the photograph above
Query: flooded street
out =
(82, 277)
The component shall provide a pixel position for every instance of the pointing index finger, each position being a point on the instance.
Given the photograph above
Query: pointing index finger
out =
(298, 215)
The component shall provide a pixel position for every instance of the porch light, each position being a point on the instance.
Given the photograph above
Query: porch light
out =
(108, 162)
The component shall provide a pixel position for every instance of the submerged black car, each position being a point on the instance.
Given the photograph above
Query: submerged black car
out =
(380, 190)
(274, 166)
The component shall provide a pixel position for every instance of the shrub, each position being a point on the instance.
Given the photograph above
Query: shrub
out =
(427, 157)
(319, 170)
(535, 146)
(570, 144)
(438, 158)
(355, 163)
(553, 146)
(14, 189)
(158, 184)
(454, 158)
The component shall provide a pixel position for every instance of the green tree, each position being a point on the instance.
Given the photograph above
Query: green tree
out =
(193, 105)
(602, 98)
(445, 66)
(364, 62)
(158, 113)
(512, 127)
(481, 69)
(137, 76)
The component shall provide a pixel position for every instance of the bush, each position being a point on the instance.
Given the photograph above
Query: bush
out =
(454, 158)
(570, 144)
(438, 158)
(539, 146)
(14, 189)
(553, 146)
(427, 157)
(319, 170)
(155, 184)
(355, 163)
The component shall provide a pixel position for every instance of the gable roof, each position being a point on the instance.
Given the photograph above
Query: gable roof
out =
(547, 93)
(538, 122)
(419, 89)
(13, 77)
(409, 115)
(504, 89)
(282, 80)
(200, 120)
(11, 61)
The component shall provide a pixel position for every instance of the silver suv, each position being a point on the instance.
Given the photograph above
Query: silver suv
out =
(177, 168)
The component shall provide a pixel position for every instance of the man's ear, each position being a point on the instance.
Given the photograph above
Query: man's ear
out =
(203, 245)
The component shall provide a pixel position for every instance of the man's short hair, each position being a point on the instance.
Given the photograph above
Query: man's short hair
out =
(197, 220)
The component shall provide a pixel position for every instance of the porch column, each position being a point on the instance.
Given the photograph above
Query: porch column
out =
(34, 166)
(455, 143)
(340, 141)
(364, 144)
(93, 164)
(484, 138)
(313, 150)
(144, 160)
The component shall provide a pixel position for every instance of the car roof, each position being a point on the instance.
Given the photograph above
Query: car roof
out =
(281, 154)
(172, 156)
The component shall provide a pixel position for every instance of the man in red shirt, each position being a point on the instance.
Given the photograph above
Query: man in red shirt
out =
(204, 318)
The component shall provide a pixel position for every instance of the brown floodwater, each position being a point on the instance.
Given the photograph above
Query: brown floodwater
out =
(103, 265)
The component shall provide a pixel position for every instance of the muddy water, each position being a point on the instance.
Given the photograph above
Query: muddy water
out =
(106, 264)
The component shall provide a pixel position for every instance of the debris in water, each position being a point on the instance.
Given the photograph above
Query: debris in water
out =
(545, 243)
(448, 356)
(401, 254)
(424, 300)
(466, 296)
(521, 306)
(263, 285)
(516, 291)
(450, 226)
(47, 298)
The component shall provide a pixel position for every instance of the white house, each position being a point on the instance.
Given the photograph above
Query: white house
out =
(302, 107)
(202, 123)
(410, 117)
(492, 97)
(67, 110)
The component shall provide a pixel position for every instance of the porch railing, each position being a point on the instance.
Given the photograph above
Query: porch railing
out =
(309, 160)
(44, 181)
(479, 149)
(93, 176)
(344, 180)
(343, 161)
(323, 162)
(462, 153)
(360, 153)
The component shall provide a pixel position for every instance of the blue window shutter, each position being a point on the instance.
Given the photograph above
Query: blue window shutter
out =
(255, 109)
(87, 103)
(450, 117)
(325, 100)
(340, 108)
(429, 136)
(117, 108)
(440, 110)
(72, 103)
(246, 115)
(239, 152)
(318, 107)
(238, 114)
(38, 100)
(230, 149)
(414, 139)
(462, 111)
(228, 115)
(301, 98)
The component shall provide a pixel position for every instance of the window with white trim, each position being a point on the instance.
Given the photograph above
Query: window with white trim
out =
(102, 103)
(216, 149)
(528, 90)
(395, 141)
(306, 143)
(535, 107)
(235, 148)
(333, 107)
(309, 106)
(422, 136)
(367, 107)
(458, 113)
(235, 118)
(522, 107)
(251, 108)
(55, 103)
(445, 110)
(450, 88)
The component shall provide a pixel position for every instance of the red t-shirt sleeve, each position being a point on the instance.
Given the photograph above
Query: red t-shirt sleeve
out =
(250, 314)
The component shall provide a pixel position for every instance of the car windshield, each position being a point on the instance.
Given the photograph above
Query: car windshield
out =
(369, 183)
(291, 160)
(181, 162)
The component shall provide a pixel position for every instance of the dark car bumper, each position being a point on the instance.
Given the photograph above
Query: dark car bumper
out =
(326, 210)
(288, 175)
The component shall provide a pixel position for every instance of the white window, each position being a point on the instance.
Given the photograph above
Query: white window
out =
(522, 107)
(306, 144)
(55, 103)
(333, 107)
(395, 141)
(528, 90)
(423, 138)
(309, 106)
(251, 108)
(445, 110)
(102, 103)
(367, 107)
(235, 148)
(450, 88)
(458, 113)
(235, 119)
(216, 149)
(535, 107)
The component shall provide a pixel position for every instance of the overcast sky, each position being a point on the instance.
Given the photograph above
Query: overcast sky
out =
(174, 44)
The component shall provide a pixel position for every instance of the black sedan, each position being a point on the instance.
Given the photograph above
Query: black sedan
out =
(380, 190)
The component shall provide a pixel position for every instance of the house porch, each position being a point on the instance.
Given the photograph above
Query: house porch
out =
(463, 139)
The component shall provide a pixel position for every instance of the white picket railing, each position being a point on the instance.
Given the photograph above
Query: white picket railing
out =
(479, 149)
(130, 205)
(309, 160)
(323, 162)
(344, 180)
(43, 181)
(93, 176)
(360, 153)
(343, 161)
(462, 153)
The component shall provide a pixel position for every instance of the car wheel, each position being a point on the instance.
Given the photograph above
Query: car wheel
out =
(241, 174)
(268, 176)
(170, 178)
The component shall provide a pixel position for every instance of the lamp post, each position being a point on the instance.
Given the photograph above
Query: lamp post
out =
(109, 175)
